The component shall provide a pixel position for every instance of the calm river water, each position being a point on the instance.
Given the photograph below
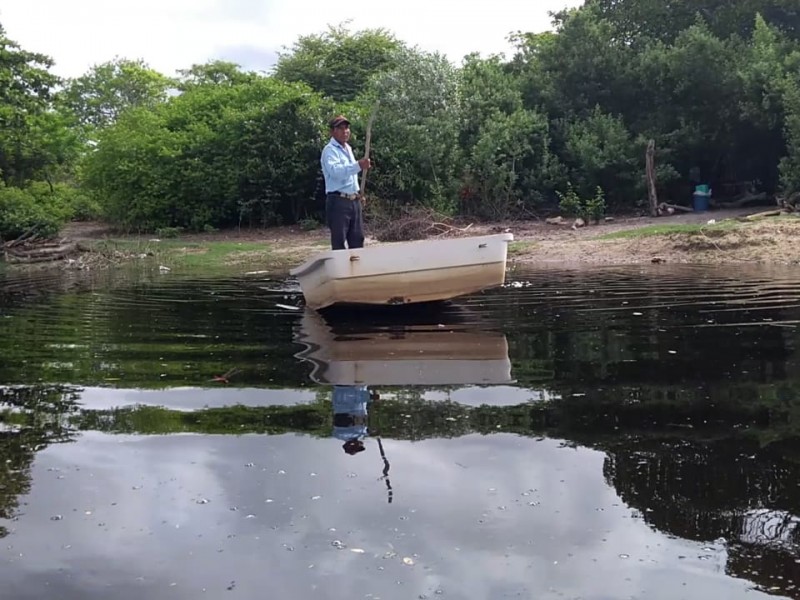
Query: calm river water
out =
(607, 434)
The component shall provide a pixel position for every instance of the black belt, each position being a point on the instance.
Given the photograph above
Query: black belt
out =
(345, 196)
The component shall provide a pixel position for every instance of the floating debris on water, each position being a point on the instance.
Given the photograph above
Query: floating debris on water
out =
(287, 307)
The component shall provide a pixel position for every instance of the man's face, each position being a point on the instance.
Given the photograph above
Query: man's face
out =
(341, 133)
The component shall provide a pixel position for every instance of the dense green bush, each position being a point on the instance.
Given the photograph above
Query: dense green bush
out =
(21, 212)
(588, 208)
(214, 156)
(68, 200)
(790, 165)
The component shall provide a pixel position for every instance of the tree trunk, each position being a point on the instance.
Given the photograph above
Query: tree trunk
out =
(651, 177)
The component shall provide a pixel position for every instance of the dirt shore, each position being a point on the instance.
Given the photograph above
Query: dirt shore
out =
(717, 237)
(714, 237)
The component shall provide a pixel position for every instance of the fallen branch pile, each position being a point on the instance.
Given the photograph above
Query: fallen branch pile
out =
(790, 203)
(665, 208)
(36, 251)
(415, 223)
(31, 248)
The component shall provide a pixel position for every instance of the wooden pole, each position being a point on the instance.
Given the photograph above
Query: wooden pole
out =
(367, 145)
(386, 465)
(651, 177)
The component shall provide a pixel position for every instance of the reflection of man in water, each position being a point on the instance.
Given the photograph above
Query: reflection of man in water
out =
(351, 423)
(350, 415)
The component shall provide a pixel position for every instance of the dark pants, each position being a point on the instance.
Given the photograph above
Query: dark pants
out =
(345, 222)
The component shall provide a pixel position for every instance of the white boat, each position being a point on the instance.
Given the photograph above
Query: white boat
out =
(404, 272)
(433, 354)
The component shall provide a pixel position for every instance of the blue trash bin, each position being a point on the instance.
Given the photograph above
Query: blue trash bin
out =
(700, 202)
(700, 198)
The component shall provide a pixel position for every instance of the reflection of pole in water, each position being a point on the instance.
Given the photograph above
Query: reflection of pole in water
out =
(385, 471)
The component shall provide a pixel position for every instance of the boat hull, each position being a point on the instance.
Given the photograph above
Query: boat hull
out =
(404, 273)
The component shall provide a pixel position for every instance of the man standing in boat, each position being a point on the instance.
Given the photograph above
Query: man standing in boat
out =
(343, 209)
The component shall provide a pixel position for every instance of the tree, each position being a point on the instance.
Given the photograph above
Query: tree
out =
(217, 72)
(214, 156)
(486, 86)
(763, 71)
(790, 164)
(102, 94)
(600, 153)
(25, 97)
(582, 66)
(337, 63)
(639, 22)
(686, 97)
(508, 164)
(415, 139)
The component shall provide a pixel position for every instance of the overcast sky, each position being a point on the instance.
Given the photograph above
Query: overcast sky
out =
(174, 34)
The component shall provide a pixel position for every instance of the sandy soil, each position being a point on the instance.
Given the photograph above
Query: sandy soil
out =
(765, 241)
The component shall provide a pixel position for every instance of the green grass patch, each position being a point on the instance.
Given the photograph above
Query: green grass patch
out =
(682, 228)
(519, 247)
(192, 255)
(219, 254)
(209, 256)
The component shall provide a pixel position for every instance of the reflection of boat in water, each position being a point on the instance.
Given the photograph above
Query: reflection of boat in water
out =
(402, 353)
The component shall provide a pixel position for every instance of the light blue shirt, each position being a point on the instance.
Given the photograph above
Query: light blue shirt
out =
(351, 400)
(340, 169)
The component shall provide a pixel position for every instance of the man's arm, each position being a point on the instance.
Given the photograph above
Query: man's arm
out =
(334, 165)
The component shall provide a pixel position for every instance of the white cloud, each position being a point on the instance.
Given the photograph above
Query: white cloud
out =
(174, 34)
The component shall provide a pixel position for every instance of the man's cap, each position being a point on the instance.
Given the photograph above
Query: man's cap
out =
(340, 120)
